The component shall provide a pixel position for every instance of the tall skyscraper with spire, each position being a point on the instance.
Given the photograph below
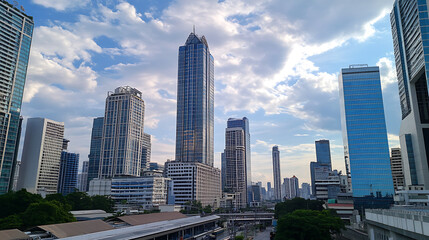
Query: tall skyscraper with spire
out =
(276, 174)
(16, 34)
(410, 28)
(195, 102)
(192, 173)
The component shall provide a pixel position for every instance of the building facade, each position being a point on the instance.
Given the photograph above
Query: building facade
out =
(286, 188)
(397, 170)
(365, 136)
(237, 161)
(122, 141)
(305, 191)
(95, 149)
(40, 161)
(146, 151)
(294, 187)
(323, 152)
(67, 179)
(410, 28)
(195, 102)
(82, 178)
(194, 181)
(276, 173)
(16, 34)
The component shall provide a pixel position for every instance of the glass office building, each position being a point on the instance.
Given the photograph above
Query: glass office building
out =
(15, 40)
(410, 32)
(276, 174)
(365, 136)
(323, 152)
(195, 102)
(95, 149)
(67, 180)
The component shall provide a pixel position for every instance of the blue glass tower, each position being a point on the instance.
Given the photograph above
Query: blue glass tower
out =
(410, 32)
(95, 149)
(365, 136)
(195, 102)
(15, 38)
(68, 172)
(323, 152)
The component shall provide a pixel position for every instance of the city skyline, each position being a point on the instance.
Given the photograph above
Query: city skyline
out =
(290, 105)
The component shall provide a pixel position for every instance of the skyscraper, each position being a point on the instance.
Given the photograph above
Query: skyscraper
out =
(40, 164)
(286, 188)
(67, 179)
(396, 165)
(276, 174)
(122, 141)
(294, 187)
(223, 170)
(365, 136)
(146, 151)
(237, 159)
(323, 152)
(195, 102)
(95, 149)
(192, 174)
(16, 31)
(82, 178)
(410, 27)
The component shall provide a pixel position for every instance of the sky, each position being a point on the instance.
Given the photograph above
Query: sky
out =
(276, 63)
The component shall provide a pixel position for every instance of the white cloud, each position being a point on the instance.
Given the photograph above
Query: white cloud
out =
(61, 5)
(387, 71)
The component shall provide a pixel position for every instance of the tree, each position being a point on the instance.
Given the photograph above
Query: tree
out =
(46, 213)
(192, 207)
(102, 202)
(57, 197)
(79, 201)
(12, 221)
(207, 209)
(17, 202)
(289, 206)
(308, 225)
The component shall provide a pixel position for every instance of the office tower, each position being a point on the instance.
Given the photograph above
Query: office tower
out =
(223, 170)
(397, 172)
(410, 23)
(365, 136)
(95, 149)
(16, 176)
(286, 188)
(294, 187)
(276, 173)
(305, 191)
(269, 191)
(237, 159)
(328, 185)
(40, 161)
(156, 166)
(16, 31)
(194, 181)
(82, 178)
(195, 102)
(194, 129)
(122, 141)
(256, 195)
(146, 150)
(67, 179)
(323, 152)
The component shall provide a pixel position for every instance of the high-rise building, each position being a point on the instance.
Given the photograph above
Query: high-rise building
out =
(146, 150)
(194, 129)
(323, 152)
(276, 173)
(95, 150)
(195, 102)
(397, 172)
(82, 178)
(40, 164)
(294, 187)
(67, 179)
(286, 188)
(365, 136)
(269, 191)
(223, 170)
(305, 191)
(237, 159)
(122, 141)
(410, 23)
(16, 34)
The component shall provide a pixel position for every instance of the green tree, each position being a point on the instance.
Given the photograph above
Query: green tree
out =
(17, 202)
(12, 221)
(308, 225)
(79, 201)
(289, 206)
(192, 207)
(57, 197)
(46, 212)
(102, 202)
(207, 209)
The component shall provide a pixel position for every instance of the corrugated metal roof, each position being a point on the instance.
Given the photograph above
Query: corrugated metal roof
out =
(13, 234)
(63, 230)
(135, 220)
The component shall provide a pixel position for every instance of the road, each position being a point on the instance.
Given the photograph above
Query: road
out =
(265, 235)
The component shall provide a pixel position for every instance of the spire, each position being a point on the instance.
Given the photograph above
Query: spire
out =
(193, 29)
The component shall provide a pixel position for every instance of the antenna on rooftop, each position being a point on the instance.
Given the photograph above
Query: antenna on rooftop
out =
(193, 29)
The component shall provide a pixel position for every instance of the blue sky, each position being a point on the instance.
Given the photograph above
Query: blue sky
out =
(276, 62)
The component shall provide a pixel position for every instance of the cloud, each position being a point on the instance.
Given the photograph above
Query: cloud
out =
(61, 5)
(301, 135)
(387, 71)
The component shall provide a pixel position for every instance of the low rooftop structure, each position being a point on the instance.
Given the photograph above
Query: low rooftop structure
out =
(84, 215)
(13, 234)
(140, 219)
(63, 230)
